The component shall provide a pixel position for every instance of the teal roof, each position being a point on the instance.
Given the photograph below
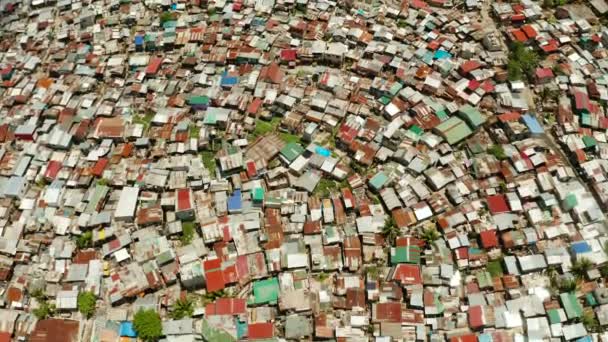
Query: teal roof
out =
(378, 181)
(472, 116)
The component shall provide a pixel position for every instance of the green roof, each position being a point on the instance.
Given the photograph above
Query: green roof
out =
(472, 116)
(198, 100)
(416, 129)
(454, 130)
(405, 254)
(553, 316)
(571, 305)
(291, 151)
(266, 291)
(589, 141)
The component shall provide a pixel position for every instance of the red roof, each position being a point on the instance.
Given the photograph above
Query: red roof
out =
(497, 204)
(418, 4)
(227, 306)
(153, 66)
(476, 317)
(288, 55)
(488, 238)
(260, 331)
(5, 337)
(407, 274)
(183, 199)
(464, 338)
(212, 264)
(517, 8)
(544, 73)
(469, 66)
(509, 117)
(254, 106)
(519, 35)
(529, 31)
(52, 169)
(551, 46)
(215, 281)
(99, 166)
(389, 312)
(251, 169)
(473, 85)
(487, 86)
(518, 17)
(581, 101)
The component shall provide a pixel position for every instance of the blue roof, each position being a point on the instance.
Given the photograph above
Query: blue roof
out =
(533, 124)
(235, 201)
(139, 40)
(229, 80)
(126, 329)
(442, 54)
(323, 151)
(580, 247)
(584, 339)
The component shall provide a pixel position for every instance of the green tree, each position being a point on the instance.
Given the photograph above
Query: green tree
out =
(429, 235)
(497, 151)
(521, 59)
(44, 310)
(514, 70)
(548, 4)
(182, 308)
(581, 267)
(85, 240)
(86, 303)
(148, 325)
(390, 231)
(567, 285)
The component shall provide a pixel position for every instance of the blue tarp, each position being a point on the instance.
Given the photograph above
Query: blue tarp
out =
(139, 40)
(126, 329)
(235, 202)
(323, 151)
(580, 247)
(532, 124)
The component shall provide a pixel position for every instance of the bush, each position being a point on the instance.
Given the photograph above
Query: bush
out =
(182, 308)
(148, 325)
(85, 240)
(86, 303)
(497, 151)
(188, 232)
(45, 310)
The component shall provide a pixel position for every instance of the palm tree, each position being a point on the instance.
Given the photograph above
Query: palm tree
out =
(429, 235)
(390, 230)
(581, 267)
